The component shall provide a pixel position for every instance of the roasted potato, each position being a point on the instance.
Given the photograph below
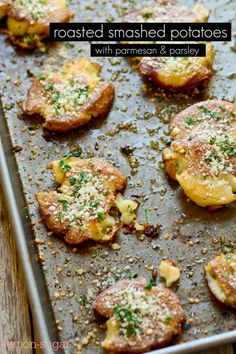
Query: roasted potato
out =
(202, 155)
(5, 7)
(28, 21)
(174, 73)
(168, 11)
(169, 271)
(86, 205)
(179, 73)
(221, 278)
(69, 98)
(141, 316)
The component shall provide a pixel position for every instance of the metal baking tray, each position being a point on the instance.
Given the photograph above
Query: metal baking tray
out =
(62, 288)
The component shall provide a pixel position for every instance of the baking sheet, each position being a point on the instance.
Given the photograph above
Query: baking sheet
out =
(190, 235)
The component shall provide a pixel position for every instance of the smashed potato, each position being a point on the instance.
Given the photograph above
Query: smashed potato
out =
(168, 11)
(141, 317)
(69, 98)
(202, 155)
(28, 21)
(86, 205)
(179, 73)
(221, 278)
(174, 73)
(4, 8)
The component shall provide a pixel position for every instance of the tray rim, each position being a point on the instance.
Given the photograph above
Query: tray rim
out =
(23, 251)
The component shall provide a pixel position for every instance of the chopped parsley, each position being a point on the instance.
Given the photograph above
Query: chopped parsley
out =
(130, 321)
(222, 107)
(101, 216)
(150, 285)
(147, 15)
(146, 215)
(212, 140)
(190, 121)
(83, 91)
(133, 275)
(76, 189)
(72, 181)
(213, 156)
(227, 147)
(64, 203)
(85, 177)
(48, 86)
(225, 245)
(64, 166)
(73, 153)
(208, 112)
(94, 203)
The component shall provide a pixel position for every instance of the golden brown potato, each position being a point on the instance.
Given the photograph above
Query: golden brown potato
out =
(179, 73)
(168, 11)
(69, 98)
(221, 278)
(28, 21)
(142, 316)
(174, 73)
(86, 205)
(202, 155)
(169, 271)
(5, 7)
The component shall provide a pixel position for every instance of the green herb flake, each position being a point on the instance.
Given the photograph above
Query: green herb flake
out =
(150, 285)
(213, 156)
(48, 86)
(147, 15)
(129, 318)
(212, 140)
(64, 166)
(73, 153)
(101, 216)
(222, 107)
(227, 147)
(133, 275)
(146, 216)
(64, 203)
(69, 45)
(72, 181)
(211, 114)
(94, 203)
(190, 121)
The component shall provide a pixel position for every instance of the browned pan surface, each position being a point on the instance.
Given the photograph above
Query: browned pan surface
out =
(190, 235)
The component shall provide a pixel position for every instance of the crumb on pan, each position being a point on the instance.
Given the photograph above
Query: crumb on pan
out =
(69, 98)
(141, 317)
(87, 205)
(221, 278)
(202, 155)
